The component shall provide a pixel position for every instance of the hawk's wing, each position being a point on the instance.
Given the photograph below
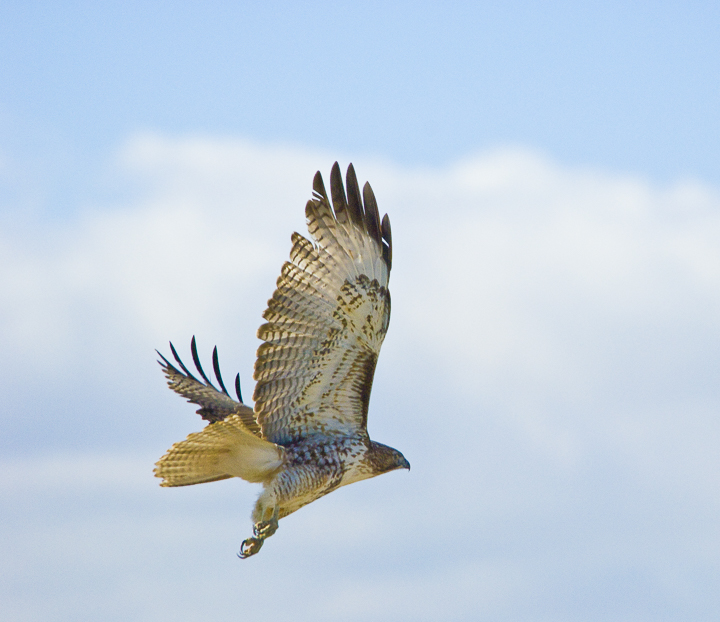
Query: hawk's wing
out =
(214, 405)
(327, 318)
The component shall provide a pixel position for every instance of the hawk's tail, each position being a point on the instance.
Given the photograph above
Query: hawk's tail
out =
(223, 449)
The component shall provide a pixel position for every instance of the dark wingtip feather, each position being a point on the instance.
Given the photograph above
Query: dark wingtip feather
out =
(196, 360)
(339, 201)
(319, 186)
(216, 369)
(182, 365)
(387, 236)
(372, 216)
(164, 362)
(355, 208)
(237, 388)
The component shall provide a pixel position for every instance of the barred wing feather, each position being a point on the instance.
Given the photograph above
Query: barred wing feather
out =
(327, 319)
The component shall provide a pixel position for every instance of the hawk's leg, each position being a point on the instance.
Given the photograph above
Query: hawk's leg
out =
(261, 531)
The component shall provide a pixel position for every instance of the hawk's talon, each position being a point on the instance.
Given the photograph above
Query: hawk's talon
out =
(250, 547)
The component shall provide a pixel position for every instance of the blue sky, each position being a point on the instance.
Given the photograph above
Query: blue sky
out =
(628, 86)
(551, 370)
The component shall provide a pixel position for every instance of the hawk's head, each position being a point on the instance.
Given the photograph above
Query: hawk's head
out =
(382, 458)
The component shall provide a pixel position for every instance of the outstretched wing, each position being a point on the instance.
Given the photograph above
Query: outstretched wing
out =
(214, 405)
(327, 318)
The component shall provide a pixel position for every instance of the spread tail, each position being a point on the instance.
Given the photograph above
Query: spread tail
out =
(223, 449)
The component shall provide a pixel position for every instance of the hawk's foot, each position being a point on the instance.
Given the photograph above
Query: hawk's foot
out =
(250, 547)
(264, 529)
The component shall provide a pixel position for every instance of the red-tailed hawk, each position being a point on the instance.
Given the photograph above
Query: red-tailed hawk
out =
(307, 434)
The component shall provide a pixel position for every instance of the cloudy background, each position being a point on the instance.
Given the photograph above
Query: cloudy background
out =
(551, 372)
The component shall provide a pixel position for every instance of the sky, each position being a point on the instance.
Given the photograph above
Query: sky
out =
(551, 369)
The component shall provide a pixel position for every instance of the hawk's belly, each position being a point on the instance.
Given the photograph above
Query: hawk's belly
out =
(316, 466)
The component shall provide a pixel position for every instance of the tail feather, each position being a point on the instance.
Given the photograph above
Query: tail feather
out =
(223, 449)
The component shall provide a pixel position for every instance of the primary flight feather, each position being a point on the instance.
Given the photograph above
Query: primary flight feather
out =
(325, 323)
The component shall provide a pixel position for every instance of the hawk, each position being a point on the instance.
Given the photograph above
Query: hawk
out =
(307, 432)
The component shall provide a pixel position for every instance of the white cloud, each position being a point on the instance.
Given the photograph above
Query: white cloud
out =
(550, 372)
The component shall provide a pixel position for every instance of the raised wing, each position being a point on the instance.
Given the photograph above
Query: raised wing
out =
(327, 318)
(214, 405)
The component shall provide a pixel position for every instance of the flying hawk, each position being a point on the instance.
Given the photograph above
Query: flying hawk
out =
(307, 433)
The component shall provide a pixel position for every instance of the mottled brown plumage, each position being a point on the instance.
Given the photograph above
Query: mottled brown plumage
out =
(325, 324)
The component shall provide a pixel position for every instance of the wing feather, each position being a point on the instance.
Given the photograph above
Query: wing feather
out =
(355, 205)
(327, 319)
(214, 405)
(372, 216)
